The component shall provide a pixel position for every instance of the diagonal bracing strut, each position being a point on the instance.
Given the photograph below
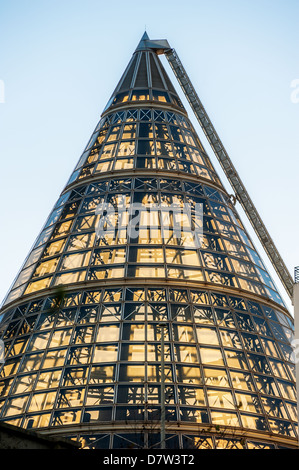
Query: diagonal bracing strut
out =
(230, 171)
(163, 47)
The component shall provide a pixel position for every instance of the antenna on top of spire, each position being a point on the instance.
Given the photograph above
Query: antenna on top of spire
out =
(158, 45)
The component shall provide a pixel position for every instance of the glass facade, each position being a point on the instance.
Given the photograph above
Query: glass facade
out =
(145, 232)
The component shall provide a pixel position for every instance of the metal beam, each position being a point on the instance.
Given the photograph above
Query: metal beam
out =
(295, 342)
(230, 171)
(162, 444)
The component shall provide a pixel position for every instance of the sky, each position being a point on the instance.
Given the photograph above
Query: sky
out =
(61, 60)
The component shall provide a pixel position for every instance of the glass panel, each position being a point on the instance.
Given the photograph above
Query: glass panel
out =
(107, 333)
(54, 358)
(254, 422)
(191, 396)
(131, 394)
(70, 398)
(183, 333)
(105, 353)
(220, 399)
(236, 359)
(241, 380)
(16, 406)
(23, 384)
(188, 374)
(102, 374)
(216, 377)
(42, 401)
(133, 352)
(186, 353)
(207, 335)
(48, 379)
(230, 339)
(132, 373)
(60, 338)
(224, 419)
(38, 421)
(248, 402)
(154, 373)
(66, 417)
(211, 356)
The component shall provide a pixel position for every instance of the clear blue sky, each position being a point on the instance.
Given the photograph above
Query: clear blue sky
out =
(60, 61)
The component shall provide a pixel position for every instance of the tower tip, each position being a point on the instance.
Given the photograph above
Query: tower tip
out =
(142, 43)
(145, 36)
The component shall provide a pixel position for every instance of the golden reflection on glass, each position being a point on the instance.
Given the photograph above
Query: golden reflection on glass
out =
(207, 335)
(42, 401)
(38, 421)
(216, 377)
(67, 417)
(16, 406)
(252, 422)
(71, 398)
(49, 379)
(109, 256)
(99, 395)
(107, 333)
(154, 373)
(126, 149)
(183, 333)
(70, 278)
(75, 261)
(149, 271)
(220, 399)
(54, 358)
(224, 419)
(24, 384)
(189, 375)
(248, 402)
(102, 374)
(186, 353)
(229, 444)
(192, 396)
(211, 356)
(241, 381)
(150, 255)
(105, 353)
(81, 241)
(132, 373)
(103, 167)
(54, 248)
(38, 285)
(39, 341)
(188, 257)
(133, 352)
(154, 353)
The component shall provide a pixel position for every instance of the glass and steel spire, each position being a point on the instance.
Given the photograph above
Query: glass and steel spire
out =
(143, 233)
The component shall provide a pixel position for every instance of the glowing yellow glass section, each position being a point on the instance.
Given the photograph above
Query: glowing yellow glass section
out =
(42, 401)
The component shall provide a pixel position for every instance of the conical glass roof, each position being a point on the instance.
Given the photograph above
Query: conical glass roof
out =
(145, 231)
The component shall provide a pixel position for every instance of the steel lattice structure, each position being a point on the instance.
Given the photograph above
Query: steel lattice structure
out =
(144, 238)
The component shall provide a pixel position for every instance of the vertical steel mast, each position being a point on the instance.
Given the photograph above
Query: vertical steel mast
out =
(241, 194)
